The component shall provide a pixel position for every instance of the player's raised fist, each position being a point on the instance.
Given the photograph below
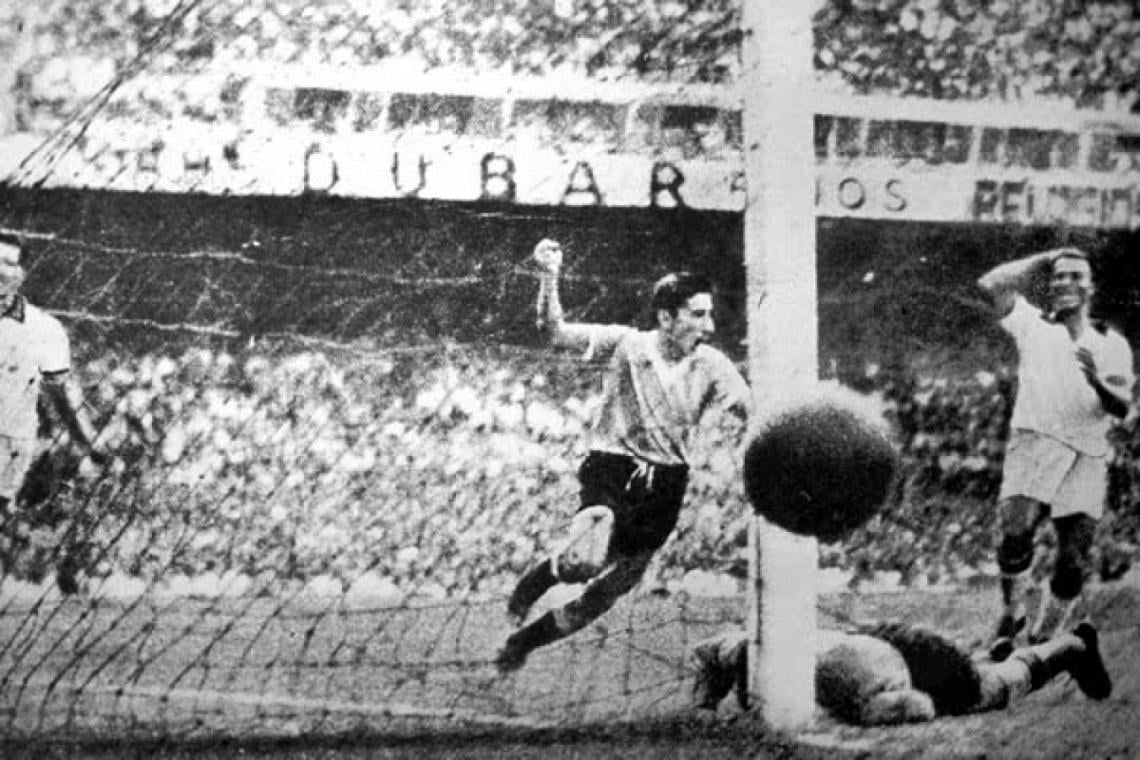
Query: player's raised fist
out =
(548, 255)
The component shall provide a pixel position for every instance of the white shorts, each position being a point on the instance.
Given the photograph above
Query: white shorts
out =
(1048, 471)
(16, 455)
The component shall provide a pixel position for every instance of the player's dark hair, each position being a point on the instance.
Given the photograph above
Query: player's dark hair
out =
(674, 290)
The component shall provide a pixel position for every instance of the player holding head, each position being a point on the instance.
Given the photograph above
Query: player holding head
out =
(34, 354)
(895, 673)
(1074, 379)
(658, 384)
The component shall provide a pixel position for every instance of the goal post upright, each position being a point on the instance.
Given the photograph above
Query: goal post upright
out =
(779, 248)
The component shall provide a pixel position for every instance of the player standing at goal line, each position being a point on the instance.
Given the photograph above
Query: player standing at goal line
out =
(657, 387)
(1074, 376)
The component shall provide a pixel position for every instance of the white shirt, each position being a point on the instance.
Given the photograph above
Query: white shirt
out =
(1053, 396)
(650, 406)
(32, 344)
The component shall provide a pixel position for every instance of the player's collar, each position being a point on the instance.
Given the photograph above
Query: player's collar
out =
(16, 309)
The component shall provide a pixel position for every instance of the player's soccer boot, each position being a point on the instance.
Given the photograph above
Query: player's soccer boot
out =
(525, 640)
(510, 658)
(1089, 670)
(1009, 628)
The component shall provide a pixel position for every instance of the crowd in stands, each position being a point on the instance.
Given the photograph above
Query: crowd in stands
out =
(446, 472)
(1068, 53)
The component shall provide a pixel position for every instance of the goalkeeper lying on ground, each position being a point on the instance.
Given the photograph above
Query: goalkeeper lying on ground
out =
(895, 673)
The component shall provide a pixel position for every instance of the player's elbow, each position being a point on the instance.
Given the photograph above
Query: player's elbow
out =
(998, 296)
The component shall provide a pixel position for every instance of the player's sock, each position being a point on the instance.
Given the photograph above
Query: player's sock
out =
(1012, 622)
(1014, 618)
(1089, 670)
(530, 588)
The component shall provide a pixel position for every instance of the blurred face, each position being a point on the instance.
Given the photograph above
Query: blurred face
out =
(11, 273)
(1070, 285)
(690, 326)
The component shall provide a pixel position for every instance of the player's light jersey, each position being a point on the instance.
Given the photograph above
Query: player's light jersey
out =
(32, 343)
(853, 668)
(1053, 396)
(650, 406)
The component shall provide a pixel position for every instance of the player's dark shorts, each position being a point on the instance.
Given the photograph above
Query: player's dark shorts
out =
(645, 498)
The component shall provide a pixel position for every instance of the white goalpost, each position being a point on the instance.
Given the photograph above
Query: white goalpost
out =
(779, 246)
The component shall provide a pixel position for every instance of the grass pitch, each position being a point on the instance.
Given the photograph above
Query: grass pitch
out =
(198, 680)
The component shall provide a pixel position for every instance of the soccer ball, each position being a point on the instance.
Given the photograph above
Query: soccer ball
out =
(822, 464)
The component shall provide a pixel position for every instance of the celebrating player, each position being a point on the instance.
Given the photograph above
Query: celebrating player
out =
(1074, 377)
(894, 673)
(658, 385)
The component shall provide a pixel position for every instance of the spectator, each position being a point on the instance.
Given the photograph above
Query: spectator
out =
(1074, 377)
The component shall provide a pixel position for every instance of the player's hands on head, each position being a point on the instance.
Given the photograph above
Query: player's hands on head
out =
(548, 256)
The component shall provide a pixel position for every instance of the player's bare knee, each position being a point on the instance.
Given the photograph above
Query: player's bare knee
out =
(1019, 514)
(584, 554)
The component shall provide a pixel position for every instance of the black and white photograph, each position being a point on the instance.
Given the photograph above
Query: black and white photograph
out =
(569, 379)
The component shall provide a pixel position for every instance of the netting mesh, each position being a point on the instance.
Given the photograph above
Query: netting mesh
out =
(278, 540)
(289, 665)
(336, 444)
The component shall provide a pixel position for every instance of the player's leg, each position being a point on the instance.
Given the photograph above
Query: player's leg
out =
(618, 578)
(1019, 518)
(1071, 570)
(602, 480)
(580, 557)
(1076, 506)
(1035, 468)
(1031, 668)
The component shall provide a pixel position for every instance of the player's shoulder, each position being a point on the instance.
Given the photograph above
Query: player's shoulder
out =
(1021, 310)
(1109, 332)
(38, 319)
(641, 343)
(709, 352)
